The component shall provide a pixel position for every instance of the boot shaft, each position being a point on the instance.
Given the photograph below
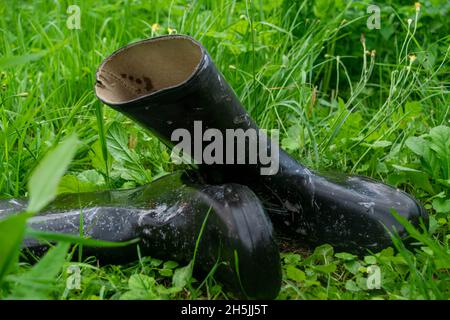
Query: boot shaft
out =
(197, 99)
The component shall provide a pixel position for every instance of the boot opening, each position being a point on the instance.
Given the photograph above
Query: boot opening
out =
(146, 67)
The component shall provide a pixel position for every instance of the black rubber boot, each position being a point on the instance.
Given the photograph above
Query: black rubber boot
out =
(170, 82)
(167, 215)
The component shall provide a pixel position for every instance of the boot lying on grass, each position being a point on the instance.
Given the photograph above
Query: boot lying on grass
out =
(170, 83)
(167, 216)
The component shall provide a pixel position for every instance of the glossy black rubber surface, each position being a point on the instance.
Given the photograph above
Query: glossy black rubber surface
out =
(352, 213)
(349, 212)
(167, 216)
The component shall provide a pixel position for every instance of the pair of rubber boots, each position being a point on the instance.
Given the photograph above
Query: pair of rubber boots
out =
(170, 86)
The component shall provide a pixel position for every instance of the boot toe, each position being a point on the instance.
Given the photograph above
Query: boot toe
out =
(364, 208)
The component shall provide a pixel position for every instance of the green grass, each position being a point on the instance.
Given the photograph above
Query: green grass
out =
(376, 105)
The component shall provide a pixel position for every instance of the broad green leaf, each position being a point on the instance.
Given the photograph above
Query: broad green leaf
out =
(323, 8)
(326, 268)
(294, 139)
(351, 286)
(352, 266)
(370, 259)
(345, 256)
(118, 147)
(170, 264)
(167, 291)
(440, 144)
(442, 264)
(91, 176)
(165, 272)
(388, 252)
(361, 282)
(141, 282)
(441, 135)
(324, 250)
(38, 283)
(43, 184)
(413, 108)
(182, 276)
(441, 205)
(295, 274)
(420, 180)
(143, 287)
(417, 178)
(12, 230)
(155, 262)
(86, 181)
(417, 145)
(292, 258)
(71, 184)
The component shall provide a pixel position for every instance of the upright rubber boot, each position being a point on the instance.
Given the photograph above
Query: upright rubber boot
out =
(167, 216)
(170, 82)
